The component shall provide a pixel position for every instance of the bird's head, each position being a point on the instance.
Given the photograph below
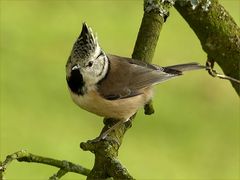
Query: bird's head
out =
(87, 57)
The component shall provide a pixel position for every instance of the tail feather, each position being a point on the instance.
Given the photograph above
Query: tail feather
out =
(185, 67)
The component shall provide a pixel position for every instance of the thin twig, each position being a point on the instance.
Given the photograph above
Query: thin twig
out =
(65, 166)
(58, 175)
(214, 73)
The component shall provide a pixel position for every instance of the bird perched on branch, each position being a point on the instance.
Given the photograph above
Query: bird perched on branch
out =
(112, 86)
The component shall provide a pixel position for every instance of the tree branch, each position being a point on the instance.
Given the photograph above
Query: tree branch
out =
(106, 151)
(65, 166)
(218, 33)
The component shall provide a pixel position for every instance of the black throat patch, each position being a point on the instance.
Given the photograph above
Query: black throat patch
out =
(76, 83)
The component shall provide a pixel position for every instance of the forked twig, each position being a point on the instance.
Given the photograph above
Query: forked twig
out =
(65, 166)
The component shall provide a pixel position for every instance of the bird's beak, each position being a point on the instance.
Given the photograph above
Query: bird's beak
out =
(77, 66)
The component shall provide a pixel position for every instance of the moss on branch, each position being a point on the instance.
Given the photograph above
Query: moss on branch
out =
(218, 33)
(24, 156)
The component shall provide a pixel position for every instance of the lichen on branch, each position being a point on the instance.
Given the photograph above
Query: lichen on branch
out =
(25, 156)
(218, 33)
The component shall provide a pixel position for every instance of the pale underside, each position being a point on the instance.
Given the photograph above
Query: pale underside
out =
(119, 108)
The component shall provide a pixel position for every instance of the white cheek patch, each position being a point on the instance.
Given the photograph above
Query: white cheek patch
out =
(104, 68)
(97, 72)
(98, 67)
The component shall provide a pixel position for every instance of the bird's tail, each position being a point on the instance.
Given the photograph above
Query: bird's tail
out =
(179, 68)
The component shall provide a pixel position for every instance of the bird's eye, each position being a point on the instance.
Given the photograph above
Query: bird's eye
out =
(90, 63)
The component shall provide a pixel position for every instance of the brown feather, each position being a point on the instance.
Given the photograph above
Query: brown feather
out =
(128, 77)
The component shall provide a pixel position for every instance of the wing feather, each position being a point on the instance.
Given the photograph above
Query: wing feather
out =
(128, 77)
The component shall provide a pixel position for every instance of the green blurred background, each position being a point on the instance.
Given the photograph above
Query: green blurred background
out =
(194, 133)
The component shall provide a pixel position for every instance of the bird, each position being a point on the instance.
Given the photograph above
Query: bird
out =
(112, 86)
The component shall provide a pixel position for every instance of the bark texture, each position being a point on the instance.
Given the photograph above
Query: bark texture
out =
(218, 33)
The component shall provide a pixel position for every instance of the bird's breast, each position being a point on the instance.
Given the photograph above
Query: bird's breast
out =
(119, 109)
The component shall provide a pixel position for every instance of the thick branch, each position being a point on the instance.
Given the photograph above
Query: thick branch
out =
(106, 151)
(218, 33)
(154, 17)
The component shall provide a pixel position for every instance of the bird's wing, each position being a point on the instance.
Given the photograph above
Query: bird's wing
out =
(128, 77)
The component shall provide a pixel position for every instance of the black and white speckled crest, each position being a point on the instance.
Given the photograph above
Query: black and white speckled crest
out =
(85, 45)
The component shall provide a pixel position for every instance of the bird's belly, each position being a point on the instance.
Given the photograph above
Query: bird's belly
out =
(119, 109)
